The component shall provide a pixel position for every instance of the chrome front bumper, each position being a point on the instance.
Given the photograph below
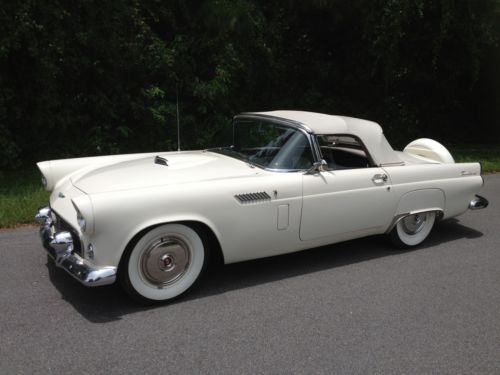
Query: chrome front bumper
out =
(60, 247)
(478, 202)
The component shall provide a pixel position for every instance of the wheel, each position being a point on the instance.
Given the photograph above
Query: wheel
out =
(163, 264)
(413, 229)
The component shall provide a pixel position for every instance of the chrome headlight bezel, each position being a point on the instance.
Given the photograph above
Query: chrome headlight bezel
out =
(84, 213)
(82, 223)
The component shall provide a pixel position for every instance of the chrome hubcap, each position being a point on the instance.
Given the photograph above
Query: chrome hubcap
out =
(414, 223)
(165, 261)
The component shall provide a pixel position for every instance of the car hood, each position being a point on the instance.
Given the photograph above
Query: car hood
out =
(183, 167)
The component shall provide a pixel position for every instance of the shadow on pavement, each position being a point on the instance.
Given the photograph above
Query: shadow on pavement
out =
(110, 303)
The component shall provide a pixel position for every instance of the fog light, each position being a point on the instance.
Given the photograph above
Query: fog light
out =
(90, 251)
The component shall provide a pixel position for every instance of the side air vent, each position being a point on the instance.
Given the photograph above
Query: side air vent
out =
(253, 197)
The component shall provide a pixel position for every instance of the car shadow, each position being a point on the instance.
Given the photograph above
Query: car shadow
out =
(110, 303)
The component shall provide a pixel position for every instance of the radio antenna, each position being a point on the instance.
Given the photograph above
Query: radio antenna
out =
(178, 121)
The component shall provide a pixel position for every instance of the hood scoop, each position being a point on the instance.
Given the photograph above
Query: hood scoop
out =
(161, 161)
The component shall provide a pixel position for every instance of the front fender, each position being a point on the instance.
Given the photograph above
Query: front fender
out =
(149, 224)
(117, 224)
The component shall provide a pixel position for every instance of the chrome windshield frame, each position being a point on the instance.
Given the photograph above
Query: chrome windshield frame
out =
(310, 136)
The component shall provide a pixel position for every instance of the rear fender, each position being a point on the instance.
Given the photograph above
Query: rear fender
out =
(417, 201)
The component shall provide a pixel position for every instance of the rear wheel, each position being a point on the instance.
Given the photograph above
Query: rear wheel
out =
(412, 230)
(163, 264)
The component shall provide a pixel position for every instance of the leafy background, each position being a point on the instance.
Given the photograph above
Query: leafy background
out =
(95, 77)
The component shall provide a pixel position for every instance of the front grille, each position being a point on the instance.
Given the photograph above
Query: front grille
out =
(61, 225)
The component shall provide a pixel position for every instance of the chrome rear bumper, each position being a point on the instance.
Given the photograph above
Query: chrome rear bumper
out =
(478, 202)
(60, 247)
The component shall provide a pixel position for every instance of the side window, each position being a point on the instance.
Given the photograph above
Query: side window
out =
(343, 152)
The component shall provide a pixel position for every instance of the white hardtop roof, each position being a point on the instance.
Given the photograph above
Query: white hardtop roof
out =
(369, 132)
(320, 123)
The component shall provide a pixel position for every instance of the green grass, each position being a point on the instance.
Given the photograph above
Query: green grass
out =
(21, 192)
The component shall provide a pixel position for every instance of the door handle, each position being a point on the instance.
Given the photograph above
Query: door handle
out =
(379, 179)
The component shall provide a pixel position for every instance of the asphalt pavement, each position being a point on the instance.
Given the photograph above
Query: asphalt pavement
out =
(352, 308)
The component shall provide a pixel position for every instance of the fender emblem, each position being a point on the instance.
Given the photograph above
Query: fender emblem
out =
(466, 173)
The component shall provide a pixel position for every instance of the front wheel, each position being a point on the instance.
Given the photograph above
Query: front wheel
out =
(412, 230)
(163, 264)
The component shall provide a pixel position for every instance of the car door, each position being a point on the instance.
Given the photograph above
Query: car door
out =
(348, 200)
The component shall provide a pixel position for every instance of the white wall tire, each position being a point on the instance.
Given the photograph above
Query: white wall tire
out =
(412, 230)
(163, 264)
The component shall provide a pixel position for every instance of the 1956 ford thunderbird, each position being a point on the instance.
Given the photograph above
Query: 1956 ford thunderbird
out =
(290, 181)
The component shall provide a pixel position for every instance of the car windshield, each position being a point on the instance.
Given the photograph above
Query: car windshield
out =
(269, 145)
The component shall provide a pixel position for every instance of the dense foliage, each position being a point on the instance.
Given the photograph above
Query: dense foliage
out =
(94, 77)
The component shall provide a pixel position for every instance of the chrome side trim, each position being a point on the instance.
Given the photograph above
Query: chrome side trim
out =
(478, 203)
(392, 164)
(253, 197)
(59, 246)
(467, 173)
(395, 220)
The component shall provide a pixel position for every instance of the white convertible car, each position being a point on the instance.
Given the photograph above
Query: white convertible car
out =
(290, 181)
